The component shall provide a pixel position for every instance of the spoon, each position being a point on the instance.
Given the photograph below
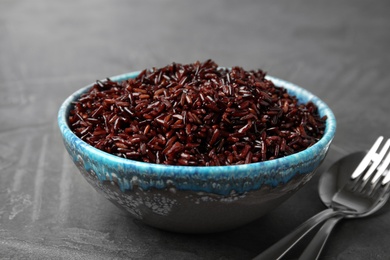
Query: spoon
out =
(330, 183)
(332, 180)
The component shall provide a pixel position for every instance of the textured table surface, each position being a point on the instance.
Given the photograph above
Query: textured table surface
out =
(338, 50)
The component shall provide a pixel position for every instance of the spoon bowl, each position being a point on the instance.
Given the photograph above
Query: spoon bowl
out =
(332, 180)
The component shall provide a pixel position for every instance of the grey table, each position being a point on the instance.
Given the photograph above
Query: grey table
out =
(338, 50)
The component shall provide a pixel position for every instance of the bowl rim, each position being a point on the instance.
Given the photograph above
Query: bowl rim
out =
(163, 169)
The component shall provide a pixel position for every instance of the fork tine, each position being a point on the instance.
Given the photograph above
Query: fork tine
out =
(383, 166)
(375, 188)
(377, 160)
(386, 179)
(380, 188)
(367, 159)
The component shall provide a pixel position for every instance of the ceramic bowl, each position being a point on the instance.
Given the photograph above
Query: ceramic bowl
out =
(195, 199)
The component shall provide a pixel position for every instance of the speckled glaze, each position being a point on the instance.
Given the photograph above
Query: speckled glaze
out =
(196, 199)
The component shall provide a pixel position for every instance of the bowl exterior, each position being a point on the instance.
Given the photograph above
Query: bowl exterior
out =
(196, 199)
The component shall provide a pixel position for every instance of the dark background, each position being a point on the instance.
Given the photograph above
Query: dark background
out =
(339, 50)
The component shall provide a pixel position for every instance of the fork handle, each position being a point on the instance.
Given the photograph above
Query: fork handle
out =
(280, 248)
(314, 249)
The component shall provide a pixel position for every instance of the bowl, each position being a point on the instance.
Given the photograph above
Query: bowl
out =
(197, 199)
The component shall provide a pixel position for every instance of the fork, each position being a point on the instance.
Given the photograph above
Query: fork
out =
(357, 203)
(372, 187)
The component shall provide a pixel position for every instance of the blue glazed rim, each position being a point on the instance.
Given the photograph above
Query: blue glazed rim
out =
(214, 179)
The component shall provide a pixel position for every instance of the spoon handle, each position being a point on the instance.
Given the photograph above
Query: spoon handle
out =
(314, 249)
(280, 248)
